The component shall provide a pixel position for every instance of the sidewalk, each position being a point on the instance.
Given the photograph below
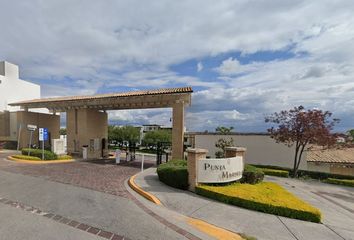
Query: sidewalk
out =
(259, 225)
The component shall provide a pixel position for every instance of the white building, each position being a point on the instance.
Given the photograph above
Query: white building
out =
(13, 89)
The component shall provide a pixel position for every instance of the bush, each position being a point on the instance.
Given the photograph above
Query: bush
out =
(275, 172)
(48, 155)
(25, 157)
(304, 173)
(344, 182)
(264, 197)
(252, 175)
(64, 157)
(321, 175)
(174, 173)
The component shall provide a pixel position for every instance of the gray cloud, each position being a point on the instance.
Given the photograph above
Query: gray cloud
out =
(78, 47)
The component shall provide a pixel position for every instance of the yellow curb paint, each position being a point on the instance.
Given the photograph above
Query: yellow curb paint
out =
(212, 230)
(207, 228)
(39, 161)
(143, 193)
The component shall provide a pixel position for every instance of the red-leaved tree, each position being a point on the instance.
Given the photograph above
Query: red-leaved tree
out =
(302, 127)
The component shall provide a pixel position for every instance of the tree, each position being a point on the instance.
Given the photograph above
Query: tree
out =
(224, 130)
(125, 133)
(351, 134)
(153, 137)
(62, 131)
(302, 127)
(222, 143)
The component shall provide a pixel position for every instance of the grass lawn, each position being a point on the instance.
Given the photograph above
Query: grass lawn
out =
(264, 197)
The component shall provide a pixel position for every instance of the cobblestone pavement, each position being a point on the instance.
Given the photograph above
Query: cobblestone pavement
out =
(98, 175)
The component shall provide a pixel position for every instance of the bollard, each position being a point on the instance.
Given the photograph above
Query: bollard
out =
(142, 163)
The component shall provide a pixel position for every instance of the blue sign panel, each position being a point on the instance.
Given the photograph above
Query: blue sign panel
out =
(45, 134)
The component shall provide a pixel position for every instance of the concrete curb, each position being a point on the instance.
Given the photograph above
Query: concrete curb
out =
(203, 226)
(39, 162)
(143, 193)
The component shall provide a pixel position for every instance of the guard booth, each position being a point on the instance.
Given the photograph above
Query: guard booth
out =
(87, 118)
(163, 150)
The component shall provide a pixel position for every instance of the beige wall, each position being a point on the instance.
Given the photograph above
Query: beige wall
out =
(4, 125)
(318, 167)
(330, 168)
(261, 149)
(83, 127)
(41, 120)
(342, 170)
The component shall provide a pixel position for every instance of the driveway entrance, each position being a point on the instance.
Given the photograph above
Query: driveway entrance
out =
(101, 175)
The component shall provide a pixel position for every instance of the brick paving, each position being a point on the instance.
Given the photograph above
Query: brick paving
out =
(99, 175)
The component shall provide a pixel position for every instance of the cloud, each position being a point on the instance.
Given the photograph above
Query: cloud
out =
(199, 67)
(229, 66)
(73, 48)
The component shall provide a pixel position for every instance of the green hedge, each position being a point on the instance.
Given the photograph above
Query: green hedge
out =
(64, 157)
(174, 173)
(48, 155)
(25, 157)
(252, 175)
(303, 173)
(275, 172)
(344, 182)
(263, 197)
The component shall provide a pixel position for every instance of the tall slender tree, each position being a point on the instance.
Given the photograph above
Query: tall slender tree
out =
(302, 127)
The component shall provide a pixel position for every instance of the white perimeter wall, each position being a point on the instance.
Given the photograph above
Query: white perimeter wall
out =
(261, 149)
(13, 89)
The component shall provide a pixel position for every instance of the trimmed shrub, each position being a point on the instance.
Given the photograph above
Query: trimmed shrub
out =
(48, 155)
(321, 175)
(275, 172)
(64, 157)
(263, 197)
(303, 173)
(344, 182)
(252, 175)
(174, 173)
(25, 157)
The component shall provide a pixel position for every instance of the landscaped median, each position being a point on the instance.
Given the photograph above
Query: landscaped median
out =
(250, 192)
(344, 182)
(35, 156)
(264, 197)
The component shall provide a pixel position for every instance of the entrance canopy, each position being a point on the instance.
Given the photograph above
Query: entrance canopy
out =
(87, 123)
(160, 98)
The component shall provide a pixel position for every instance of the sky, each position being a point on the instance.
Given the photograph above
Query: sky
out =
(244, 59)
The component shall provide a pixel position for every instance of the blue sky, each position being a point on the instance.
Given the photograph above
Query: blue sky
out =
(244, 59)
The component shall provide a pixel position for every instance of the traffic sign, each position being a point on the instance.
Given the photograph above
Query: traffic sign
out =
(31, 127)
(43, 134)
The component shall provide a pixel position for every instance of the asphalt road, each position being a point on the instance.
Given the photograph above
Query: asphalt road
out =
(107, 212)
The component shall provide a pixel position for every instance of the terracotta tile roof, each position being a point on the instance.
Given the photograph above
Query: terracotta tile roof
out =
(344, 156)
(109, 95)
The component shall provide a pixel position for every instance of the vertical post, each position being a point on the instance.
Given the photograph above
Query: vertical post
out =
(30, 143)
(177, 130)
(19, 137)
(235, 151)
(142, 163)
(194, 154)
(43, 149)
(231, 152)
